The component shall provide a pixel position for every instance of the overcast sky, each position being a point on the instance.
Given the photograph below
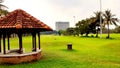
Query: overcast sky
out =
(50, 11)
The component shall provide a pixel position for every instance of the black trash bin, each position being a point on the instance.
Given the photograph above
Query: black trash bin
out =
(69, 46)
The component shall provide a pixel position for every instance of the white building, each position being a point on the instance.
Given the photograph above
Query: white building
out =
(62, 25)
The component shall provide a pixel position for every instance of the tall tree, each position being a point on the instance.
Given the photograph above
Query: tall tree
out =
(83, 26)
(109, 20)
(97, 21)
(92, 25)
(76, 31)
(70, 31)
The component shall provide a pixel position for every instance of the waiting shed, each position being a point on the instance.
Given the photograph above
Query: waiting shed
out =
(20, 22)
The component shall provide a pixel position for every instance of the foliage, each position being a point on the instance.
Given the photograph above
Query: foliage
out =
(2, 8)
(90, 25)
(70, 31)
(83, 26)
(4, 12)
(98, 17)
(76, 31)
(93, 25)
(60, 32)
(117, 29)
(109, 19)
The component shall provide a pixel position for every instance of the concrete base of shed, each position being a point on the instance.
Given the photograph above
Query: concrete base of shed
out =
(20, 58)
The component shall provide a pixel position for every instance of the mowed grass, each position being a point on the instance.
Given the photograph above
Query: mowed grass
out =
(87, 52)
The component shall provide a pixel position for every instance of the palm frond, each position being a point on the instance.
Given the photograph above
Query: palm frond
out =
(3, 6)
(114, 23)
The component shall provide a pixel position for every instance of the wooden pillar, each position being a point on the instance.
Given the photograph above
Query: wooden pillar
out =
(8, 42)
(0, 44)
(34, 42)
(39, 40)
(20, 43)
(4, 47)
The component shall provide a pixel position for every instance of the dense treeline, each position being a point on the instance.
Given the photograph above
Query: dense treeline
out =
(92, 25)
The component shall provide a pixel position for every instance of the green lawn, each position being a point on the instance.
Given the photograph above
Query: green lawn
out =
(87, 52)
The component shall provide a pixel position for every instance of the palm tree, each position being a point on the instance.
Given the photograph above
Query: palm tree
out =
(108, 19)
(2, 10)
(97, 21)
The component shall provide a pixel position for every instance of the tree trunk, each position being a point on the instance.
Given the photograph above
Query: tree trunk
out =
(86, 34)
(97, 33)
(108, 31)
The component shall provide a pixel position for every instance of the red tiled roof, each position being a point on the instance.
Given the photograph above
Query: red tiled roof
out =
(21, 19)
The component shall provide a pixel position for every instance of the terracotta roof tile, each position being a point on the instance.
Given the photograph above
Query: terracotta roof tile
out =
(21, 19)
